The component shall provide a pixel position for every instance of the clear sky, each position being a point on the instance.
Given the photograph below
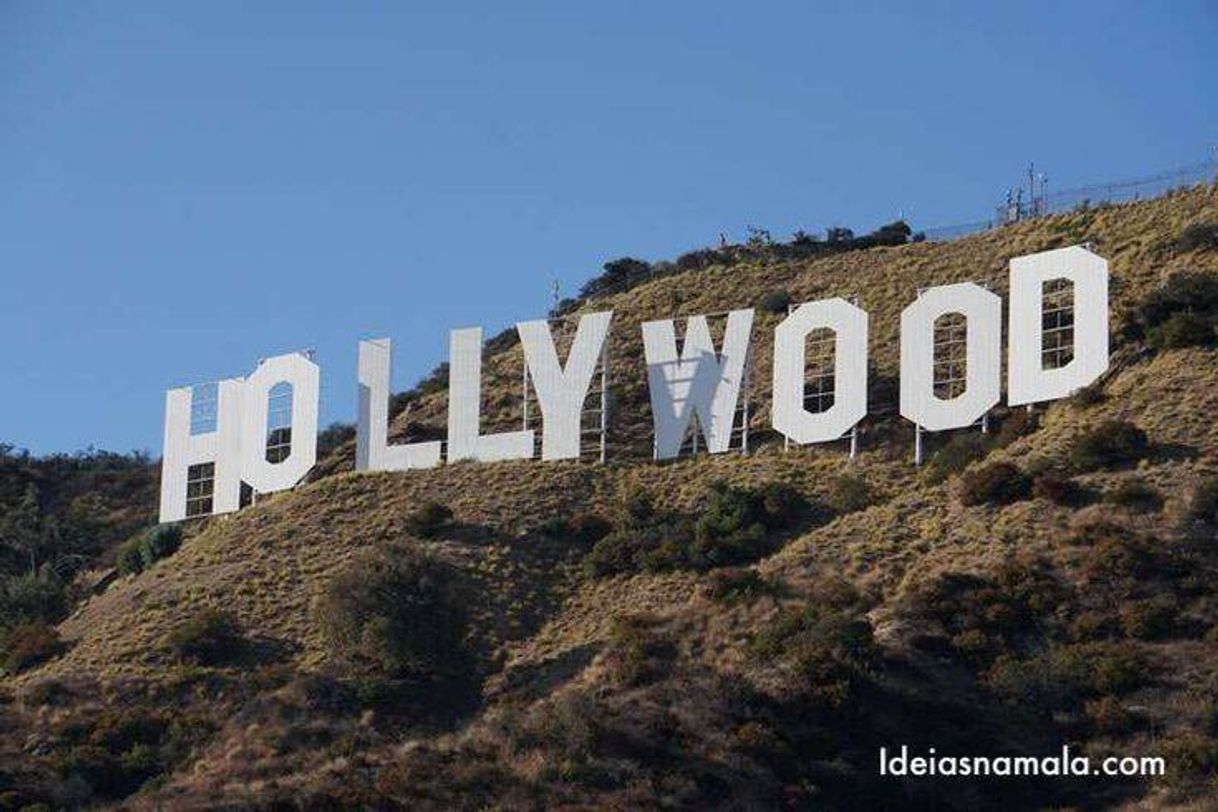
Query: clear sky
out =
(187, 187)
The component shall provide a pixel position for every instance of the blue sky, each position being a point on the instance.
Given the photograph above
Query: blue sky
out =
(185, 188)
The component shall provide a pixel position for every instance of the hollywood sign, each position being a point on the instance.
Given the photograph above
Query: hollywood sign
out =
(258, 434)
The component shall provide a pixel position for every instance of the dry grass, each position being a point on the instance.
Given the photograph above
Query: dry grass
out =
(542, 622)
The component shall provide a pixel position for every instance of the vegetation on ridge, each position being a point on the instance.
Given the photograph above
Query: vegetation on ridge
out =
(766, 622)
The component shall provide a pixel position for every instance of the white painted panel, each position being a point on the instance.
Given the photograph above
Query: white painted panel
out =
(699, 381)
(464, 406)
(372, 449)
(221, 447)
(983, 310)
(849, 324)
(561, 391)
(305, 378)
(1028, 381)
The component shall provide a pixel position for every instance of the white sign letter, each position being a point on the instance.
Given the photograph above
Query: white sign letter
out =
(561, 392)
(282, 394)
(372, 449)
(208, 448)
(788, 415)
(1028, 380)
(983, 356)
(700, 381)
(465, 406)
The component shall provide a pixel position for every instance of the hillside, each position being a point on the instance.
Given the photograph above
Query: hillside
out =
(726, 632)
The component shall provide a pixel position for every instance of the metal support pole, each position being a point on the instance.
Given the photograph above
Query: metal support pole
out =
(524, 389)
(917, 444)
(604, 396)
(744, 429)
(854, 441)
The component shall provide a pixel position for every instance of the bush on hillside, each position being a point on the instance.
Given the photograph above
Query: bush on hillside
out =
(958, 453)
(1110, 444)
(776, 302)
(1064, 676)
(828, 644)
(1181, 330)
(1203, 503)
(734, 526)
(638, 653)
(1059, 490)
(848, 493)
(987, 614)
(28, 644)
(619, 275)
(1198, 237)
(397, 611)
(37, 596)
(209, 637)
(1088, 396)
(582, 528)
(1135, 495)
(1150, 619)
(429, 520)
(1187, 292)
(999, 483)
(141, 552)
(736, 585)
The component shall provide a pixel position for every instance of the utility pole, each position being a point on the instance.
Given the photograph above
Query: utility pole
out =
(1031, 189)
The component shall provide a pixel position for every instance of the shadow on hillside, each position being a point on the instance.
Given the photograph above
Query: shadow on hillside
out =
(536, 680)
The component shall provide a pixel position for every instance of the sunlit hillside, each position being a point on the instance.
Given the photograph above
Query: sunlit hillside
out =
(729, 631)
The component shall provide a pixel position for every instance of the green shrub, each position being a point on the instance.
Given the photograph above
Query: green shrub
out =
(1192, 761)
(429, 520)
(1121, 555)
(1203, 503)
(399, 611)
(734, 526)
(776, 302)
(1062, 677)
(1198, 237)
(1151, 619)
(998, 483)
(1181, 330)
(1136, 495)
(848, 493)
(734, 523)
(734, 585)
(956, 454)
(1016, 424)
(38, 596)
(1088, 396)
(637, 653)
(1188, 292)
(209, 637)
(140, 552)
(28, 644)
(985, 615)
(829, 643)
(1058, 490)
(583, 528)
(1110, 444)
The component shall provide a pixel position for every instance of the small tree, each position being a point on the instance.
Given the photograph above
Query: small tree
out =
(429, 519)
(207, 638)
(398, 611)
(1181, 330)
(1111, 443)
